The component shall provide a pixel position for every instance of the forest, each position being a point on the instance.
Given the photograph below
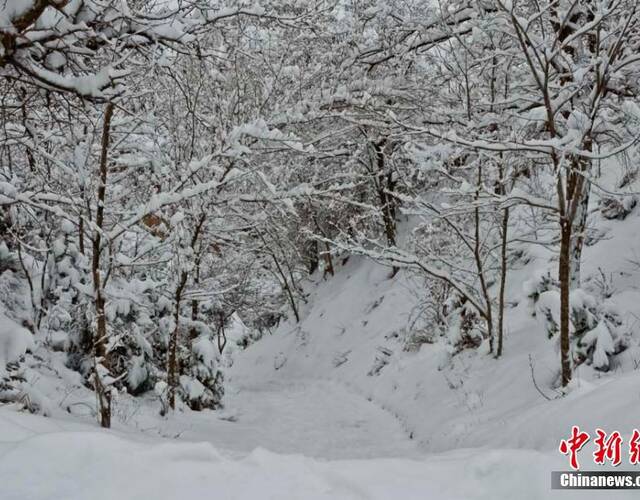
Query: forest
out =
(220, 219)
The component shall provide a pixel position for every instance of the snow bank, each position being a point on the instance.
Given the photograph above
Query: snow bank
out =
(79, 464)
(14, 342)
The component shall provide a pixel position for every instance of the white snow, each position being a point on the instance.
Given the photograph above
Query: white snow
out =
(315, 425)
(338, 407)
(302, 418)
(317, 418)
(50, 459)
(10, 10)
(14, 342)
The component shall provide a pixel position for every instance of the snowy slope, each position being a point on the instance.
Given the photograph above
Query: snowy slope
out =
(352, 332)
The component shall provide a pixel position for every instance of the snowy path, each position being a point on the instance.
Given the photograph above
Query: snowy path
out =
(312, 440)
(314, 418)
(50, 459)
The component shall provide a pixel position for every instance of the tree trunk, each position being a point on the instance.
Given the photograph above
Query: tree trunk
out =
(504, 233)
(287, 288)
(312, 256)
(195, 306)
(81, 234)
(503, 281)
(195, 303)
(326, 255)
(172, 361)
(477, 253)
(5, 227)
(572, 211)
(578, 234)
(173, 368)
(328, 259)
(564, 269)
(384, 182)
(101, 355)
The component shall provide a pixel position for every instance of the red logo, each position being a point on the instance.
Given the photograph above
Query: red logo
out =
(573, 445)
(634, 448)
(608, 447)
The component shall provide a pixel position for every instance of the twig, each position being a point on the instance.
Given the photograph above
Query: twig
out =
(535, 384)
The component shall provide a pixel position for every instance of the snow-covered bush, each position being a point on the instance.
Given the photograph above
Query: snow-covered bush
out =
(596, 327)
(202, 382)
(463, 326)
(416, 338)
(430, 319)
(533, 288)
(445, 316)
(8, 260)
(14, 292)
(617, 207)
(15, 341)
(132, 321)
(130, 315)
(66, 296)
(599, 343)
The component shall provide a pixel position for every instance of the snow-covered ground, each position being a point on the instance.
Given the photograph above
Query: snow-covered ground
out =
(352, 334)
(79, 462)
(335, 407)
(315, 418)
(281, 438)
(53, 458)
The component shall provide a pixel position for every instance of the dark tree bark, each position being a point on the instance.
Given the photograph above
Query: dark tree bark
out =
(328, 259)
(172, 362)
(477, 254)
(100, 340)
(563, 276)
(312, 256)
(579, 233)
(385, 184)
(503, 280)
(504, 234)
(573, 198)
